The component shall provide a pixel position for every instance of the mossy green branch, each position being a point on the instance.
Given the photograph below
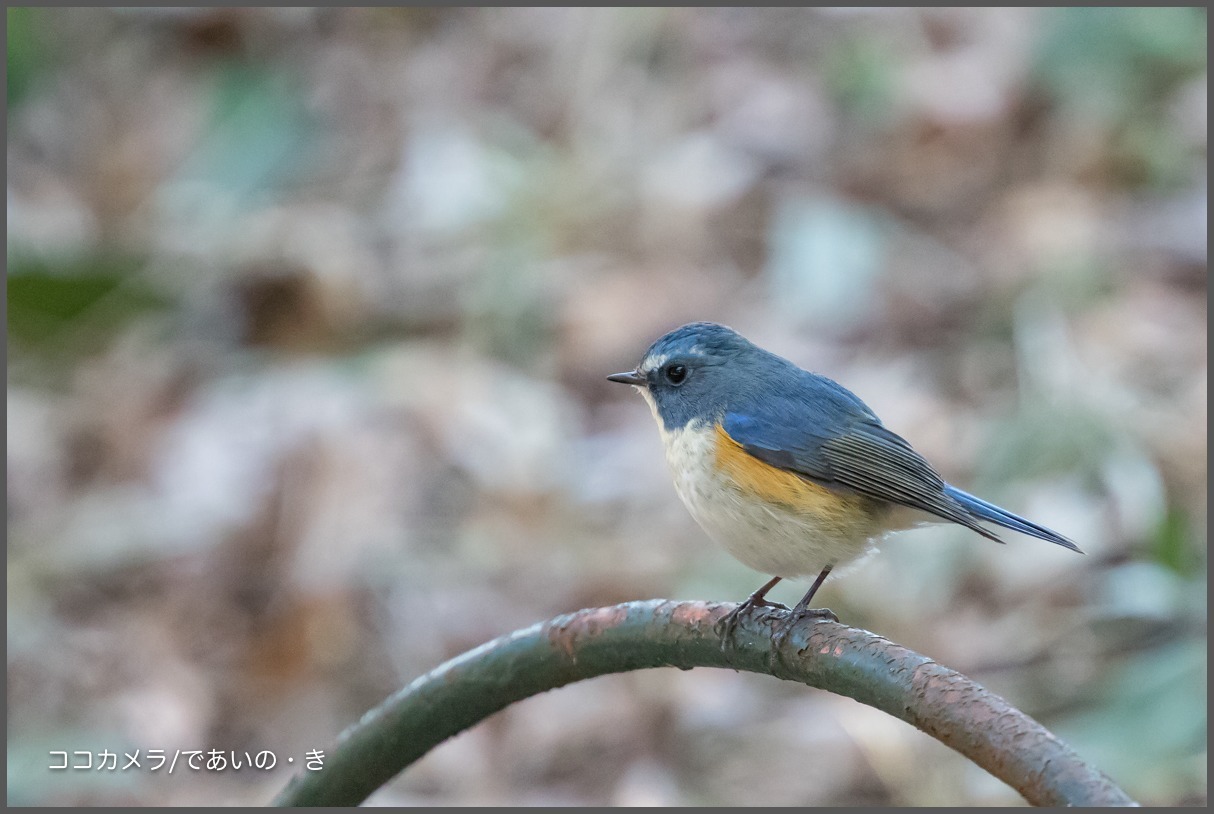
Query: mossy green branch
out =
(593, 642)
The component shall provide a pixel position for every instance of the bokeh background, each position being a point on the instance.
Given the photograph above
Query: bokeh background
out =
(309, 314)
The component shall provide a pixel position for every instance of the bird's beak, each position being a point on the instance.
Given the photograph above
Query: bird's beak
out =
(630, 377)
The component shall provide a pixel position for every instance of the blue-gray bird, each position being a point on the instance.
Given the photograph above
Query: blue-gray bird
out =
(791, 472)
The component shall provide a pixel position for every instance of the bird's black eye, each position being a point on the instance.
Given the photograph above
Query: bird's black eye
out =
(675, 374)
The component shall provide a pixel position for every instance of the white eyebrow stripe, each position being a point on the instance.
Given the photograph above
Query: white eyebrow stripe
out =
(653, 363)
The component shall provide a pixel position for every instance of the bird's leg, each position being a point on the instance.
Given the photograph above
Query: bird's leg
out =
(729, 621)
(802, 610)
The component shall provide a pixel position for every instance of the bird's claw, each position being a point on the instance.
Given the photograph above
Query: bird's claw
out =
(794, 618)
(728, 623)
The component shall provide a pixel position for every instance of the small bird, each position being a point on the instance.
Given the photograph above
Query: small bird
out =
(788, 470)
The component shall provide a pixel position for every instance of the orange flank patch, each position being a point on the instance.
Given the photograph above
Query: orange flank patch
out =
(774, 485)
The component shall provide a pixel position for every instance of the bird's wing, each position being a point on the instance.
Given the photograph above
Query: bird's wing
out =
(842, 449)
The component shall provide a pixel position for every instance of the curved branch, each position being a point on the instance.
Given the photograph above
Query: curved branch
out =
(588, 643)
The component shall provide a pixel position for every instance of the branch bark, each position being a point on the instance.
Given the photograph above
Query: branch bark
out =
(592, 642)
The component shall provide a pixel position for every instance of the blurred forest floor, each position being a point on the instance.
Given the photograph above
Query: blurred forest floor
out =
(309, 314)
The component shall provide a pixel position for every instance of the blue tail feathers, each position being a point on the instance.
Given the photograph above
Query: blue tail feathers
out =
(1001, 517)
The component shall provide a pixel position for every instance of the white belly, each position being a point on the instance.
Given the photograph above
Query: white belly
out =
(766, 537)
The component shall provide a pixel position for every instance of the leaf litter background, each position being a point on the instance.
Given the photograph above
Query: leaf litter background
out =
(309, 313)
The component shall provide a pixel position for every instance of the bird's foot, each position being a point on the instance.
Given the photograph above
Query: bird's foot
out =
(794, 618)
(728, 623)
